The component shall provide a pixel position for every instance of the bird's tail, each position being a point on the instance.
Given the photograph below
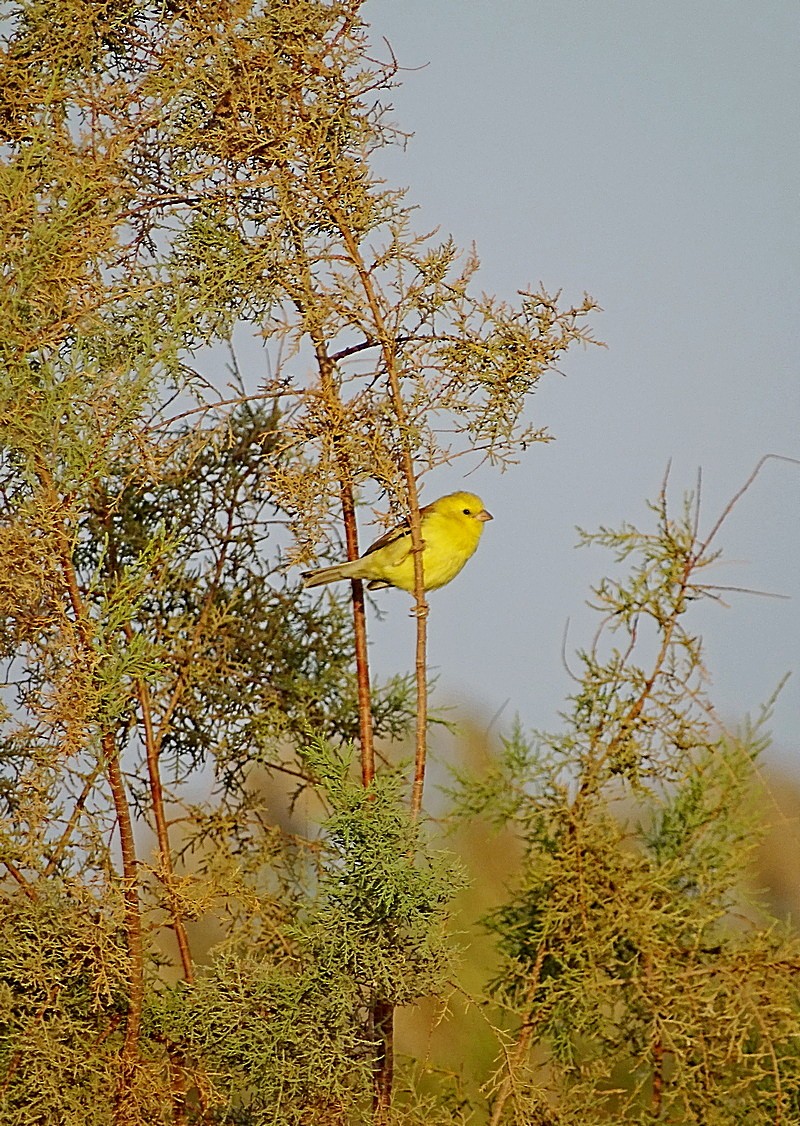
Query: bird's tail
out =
(332, 574)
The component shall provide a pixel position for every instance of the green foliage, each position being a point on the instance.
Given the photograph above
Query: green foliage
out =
(383, 891)
(62, 995)
(273, 1042)
(291, 1031)
(644, 986)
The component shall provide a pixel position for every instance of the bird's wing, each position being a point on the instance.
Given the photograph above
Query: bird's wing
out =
(396, 535)
(400, 532)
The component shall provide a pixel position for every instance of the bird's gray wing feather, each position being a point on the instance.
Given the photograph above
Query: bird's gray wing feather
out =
(399, 532)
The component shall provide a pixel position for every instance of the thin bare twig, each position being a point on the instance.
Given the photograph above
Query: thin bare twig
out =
(739, 494)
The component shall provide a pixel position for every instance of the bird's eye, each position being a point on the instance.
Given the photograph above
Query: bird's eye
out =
(467, 512)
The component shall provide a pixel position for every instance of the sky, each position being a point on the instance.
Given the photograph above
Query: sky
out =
(646, 154)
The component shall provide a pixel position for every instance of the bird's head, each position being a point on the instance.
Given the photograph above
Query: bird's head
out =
(462, 504)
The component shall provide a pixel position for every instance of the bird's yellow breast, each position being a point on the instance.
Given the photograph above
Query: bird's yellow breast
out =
(449, 540)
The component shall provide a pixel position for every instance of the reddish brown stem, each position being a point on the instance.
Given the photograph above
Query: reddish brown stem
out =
(383, 1025)
(387, 344)
(330, 391)
(383, 1012)
(362, 679)
(166, 869)
(360, 637)
(152, 750)
(656, 1046)
(133, 926)
(133, 921)
(658, 1077)
(15, 873)
(326, 364)
(421, 674)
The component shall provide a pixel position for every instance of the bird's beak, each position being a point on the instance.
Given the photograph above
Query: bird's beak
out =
(485, 515)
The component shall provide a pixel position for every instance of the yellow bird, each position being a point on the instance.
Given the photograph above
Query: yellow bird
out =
(451, 527)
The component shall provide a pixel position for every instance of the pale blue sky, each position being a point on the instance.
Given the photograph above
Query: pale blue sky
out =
(648, 154)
